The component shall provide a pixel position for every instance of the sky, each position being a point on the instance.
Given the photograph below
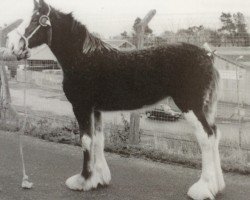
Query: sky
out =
(111, 17)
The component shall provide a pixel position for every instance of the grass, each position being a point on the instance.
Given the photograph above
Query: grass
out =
(233, 160)
(184, 152)
(46, 129)
(166, 150)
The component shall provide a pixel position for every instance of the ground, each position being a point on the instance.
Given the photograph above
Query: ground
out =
(49, 164)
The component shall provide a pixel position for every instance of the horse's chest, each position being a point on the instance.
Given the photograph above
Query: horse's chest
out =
(77, 88)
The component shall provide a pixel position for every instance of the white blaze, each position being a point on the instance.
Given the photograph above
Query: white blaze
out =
(15, 35)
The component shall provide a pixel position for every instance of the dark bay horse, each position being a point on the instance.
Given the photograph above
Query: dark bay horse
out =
(96, 78)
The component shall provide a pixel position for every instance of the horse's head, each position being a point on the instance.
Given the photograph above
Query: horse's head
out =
(38, 32)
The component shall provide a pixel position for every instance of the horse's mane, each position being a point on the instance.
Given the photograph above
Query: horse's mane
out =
(91, 43)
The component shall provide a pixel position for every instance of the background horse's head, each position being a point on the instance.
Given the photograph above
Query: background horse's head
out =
(38, 31)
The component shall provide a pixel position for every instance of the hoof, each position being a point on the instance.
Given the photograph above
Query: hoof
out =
(221, 185)
(75, 182)
(202, 190)
(103, 172)
(99, 177)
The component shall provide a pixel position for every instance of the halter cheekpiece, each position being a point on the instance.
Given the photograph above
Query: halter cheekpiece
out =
(44, 21)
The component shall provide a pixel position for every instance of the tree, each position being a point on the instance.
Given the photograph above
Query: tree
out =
(227, 23)
(148, 30)
(190, 35)
(184, 35)
(242, 36)
(240, 22)
(198, 35)
(214, 37)
(234, 29)
(228, 29)
(124, 35)
(166, 37)
(137, 31)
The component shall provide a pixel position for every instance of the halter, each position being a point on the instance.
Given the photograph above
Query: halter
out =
(44, 21)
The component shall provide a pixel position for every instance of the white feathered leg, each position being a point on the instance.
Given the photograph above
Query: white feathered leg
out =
(101, 167)
(219, 174)
(100, 173)
(78, 182)
(211, 180)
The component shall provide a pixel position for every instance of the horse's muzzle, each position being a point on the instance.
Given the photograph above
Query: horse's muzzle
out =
(22, 51)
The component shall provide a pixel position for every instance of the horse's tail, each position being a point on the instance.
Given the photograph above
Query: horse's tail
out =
(211, 97)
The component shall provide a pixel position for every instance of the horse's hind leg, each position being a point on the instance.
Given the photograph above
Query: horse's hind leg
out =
(209, 110)
(211, 181)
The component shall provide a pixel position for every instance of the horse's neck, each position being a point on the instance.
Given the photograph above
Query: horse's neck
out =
(65, 43)
(72, 41)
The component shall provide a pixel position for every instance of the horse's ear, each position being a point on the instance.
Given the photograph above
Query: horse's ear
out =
(42, 2)
(42, 5)
(36, 5)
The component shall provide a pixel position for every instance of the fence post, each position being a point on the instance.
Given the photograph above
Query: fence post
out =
(134, 130)
(239, 102)
(134, 135)
(5, 99)
(140, 28)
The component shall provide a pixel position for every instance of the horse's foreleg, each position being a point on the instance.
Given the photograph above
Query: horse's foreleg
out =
(101, 168)
(81, 181)
(95, 170)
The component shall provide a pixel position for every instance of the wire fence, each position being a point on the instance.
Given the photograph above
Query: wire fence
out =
(161, 127)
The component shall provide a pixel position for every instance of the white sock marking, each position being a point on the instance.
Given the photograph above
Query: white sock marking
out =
(86, 143)
(211, 180)
(98, 164)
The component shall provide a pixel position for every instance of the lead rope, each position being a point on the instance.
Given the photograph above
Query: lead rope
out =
(211, 52)
(25, 182)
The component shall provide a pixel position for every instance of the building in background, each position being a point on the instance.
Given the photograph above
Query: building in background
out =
(42, 58)
(235, 81)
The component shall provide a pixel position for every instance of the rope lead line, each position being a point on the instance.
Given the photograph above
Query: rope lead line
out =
(211, 52)
(25, 182)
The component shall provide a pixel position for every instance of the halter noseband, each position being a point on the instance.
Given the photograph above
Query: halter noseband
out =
(44, 21)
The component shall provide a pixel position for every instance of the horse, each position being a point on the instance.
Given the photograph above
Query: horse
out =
(97, 78)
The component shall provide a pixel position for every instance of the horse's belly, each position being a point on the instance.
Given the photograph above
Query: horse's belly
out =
(127, 100)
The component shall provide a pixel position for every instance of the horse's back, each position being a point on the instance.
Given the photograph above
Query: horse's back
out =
(130, 80)
(144, 77)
